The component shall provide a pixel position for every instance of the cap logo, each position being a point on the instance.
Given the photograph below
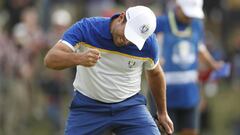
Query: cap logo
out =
(144, 28)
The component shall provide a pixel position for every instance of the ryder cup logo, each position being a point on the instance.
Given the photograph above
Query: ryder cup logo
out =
(144, 28)
(131, 64)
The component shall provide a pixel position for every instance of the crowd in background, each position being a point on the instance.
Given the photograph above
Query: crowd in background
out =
(28, 28)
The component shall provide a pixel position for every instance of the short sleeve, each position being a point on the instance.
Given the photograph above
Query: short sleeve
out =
(201, 42)
(74, 34)
(201, 30)
(154, 53)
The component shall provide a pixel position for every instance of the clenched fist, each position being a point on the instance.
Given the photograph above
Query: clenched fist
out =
(89, 58)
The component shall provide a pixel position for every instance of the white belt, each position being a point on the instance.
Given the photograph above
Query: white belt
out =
(181, 77)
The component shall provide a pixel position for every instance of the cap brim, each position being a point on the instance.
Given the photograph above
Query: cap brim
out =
(193, 12)
(133, 37)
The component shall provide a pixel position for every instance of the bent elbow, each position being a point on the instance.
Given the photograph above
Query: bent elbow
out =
(46, 62)
(49, 63)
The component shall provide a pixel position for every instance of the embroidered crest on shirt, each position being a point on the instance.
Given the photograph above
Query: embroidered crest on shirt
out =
(131, 64)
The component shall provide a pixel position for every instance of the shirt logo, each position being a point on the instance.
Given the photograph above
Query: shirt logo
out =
(184, 54)
(144, 28)
(131, 64)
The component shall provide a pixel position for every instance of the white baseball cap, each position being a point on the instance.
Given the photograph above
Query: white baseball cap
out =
(192, 8)
(61, 17)
(141, 23)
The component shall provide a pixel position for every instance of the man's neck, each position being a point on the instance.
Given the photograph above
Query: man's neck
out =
(179, 19)
(113, 22)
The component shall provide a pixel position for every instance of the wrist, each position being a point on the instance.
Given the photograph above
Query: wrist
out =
(77, 59)
(162, 111)
(216, 65)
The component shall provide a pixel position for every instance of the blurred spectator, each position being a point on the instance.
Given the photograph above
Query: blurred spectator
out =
(208, 89)
(15, 8)
(47, 6)
(3, 76)
(60, 21)
(214, 47)
(15, 96)
(129, 3)
(236, 63)
(183, 44)
(55, 83)
(54, 86)
(19, 68)
(100, 7)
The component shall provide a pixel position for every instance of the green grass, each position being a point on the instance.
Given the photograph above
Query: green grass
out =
(224, 109)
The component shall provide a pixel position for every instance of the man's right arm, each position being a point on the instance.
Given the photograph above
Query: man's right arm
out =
(61, 56)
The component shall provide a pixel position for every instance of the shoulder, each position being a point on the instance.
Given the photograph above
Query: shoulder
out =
(151, 49)
(91, 20)
(151, 45)
(162, 18)
(198, 23)
(94, 25)
(162, 23)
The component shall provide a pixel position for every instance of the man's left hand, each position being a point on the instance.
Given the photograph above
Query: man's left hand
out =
(165, 123)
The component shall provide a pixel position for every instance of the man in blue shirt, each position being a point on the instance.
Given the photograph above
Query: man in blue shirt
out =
(182, 32)
(110, 55)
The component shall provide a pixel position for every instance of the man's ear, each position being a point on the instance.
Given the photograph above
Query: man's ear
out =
(122, 17)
